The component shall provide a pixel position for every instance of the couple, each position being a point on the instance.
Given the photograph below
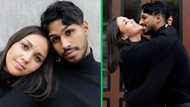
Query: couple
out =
(51, 65)
(155, 71)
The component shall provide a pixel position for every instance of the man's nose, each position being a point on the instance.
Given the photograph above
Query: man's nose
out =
(140, 21)
(65, 42)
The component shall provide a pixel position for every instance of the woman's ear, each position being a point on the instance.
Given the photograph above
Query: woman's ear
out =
(85, 25)
(124, 37)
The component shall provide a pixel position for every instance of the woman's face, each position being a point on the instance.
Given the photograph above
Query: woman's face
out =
(26, 55)
(128, 27)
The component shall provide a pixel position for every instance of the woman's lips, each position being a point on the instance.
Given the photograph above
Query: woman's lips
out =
(19, 66)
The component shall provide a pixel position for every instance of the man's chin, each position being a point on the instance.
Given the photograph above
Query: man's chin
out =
(72, 60)
(148, 32)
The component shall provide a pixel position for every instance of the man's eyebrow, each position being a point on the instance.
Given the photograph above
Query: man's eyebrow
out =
(53, 34)
(65, 28)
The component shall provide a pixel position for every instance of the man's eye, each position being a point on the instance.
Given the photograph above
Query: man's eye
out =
(143, 17)
(68, 32)
(55, 39)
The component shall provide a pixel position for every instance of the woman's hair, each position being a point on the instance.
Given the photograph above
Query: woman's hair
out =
(115, 43)
(39, 83)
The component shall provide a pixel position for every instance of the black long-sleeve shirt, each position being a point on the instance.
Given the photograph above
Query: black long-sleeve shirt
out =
(146, 68)
(78, 84)
(10, 95)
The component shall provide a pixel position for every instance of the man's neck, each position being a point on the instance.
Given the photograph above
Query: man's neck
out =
(159, 26)
(87, 51)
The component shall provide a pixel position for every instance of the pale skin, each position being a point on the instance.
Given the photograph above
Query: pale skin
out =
(26, 55)
(129, 28)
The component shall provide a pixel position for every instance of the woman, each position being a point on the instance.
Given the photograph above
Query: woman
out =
(146, 65)
(26, 64)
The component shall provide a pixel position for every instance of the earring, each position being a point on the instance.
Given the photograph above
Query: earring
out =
(58, 59)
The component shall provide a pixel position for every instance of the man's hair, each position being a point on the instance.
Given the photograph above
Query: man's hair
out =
(65, 11)
(155, 8)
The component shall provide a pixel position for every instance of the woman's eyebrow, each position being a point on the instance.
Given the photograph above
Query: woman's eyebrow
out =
(29, 43)
(124, 21)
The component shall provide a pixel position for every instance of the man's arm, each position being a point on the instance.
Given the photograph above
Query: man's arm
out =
(150, 90)
(148, 52)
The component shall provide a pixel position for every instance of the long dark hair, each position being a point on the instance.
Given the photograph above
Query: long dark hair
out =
(39, 83)
(115, 43)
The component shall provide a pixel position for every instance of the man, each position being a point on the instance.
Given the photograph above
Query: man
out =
(76, 72)
(175, 90)
(154, 18)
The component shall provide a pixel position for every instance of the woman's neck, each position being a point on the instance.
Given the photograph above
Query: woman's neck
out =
(136, 38)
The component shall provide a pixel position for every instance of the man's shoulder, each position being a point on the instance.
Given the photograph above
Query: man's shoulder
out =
(170, 32)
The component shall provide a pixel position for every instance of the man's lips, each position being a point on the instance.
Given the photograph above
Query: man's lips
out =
(144, 27)
(70, 53)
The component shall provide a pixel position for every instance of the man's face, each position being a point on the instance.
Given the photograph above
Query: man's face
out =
(149, 22)
(70, 42)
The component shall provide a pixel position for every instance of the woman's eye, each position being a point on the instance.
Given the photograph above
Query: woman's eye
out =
(38, 59)
(126, 22)
(25, 46)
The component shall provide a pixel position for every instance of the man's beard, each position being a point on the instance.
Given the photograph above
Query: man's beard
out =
(150, 31)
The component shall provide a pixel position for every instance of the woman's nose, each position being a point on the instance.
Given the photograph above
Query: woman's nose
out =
(132, 20)
(27, 57)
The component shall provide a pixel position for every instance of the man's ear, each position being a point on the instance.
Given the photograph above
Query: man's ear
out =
(158, 18)
(85, 25)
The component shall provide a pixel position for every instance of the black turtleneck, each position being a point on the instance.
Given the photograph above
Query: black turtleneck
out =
(168, 31)
(12, 96)
(6, 81)
(78, 84)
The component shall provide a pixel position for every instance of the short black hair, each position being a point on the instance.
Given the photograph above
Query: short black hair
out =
(66, 11)
(155, 8)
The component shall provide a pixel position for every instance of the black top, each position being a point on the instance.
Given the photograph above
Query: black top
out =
(9, 95)
(78, 84)
(147, 66)
(6, 80)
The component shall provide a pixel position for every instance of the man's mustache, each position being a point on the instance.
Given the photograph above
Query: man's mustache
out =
(68, 49)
